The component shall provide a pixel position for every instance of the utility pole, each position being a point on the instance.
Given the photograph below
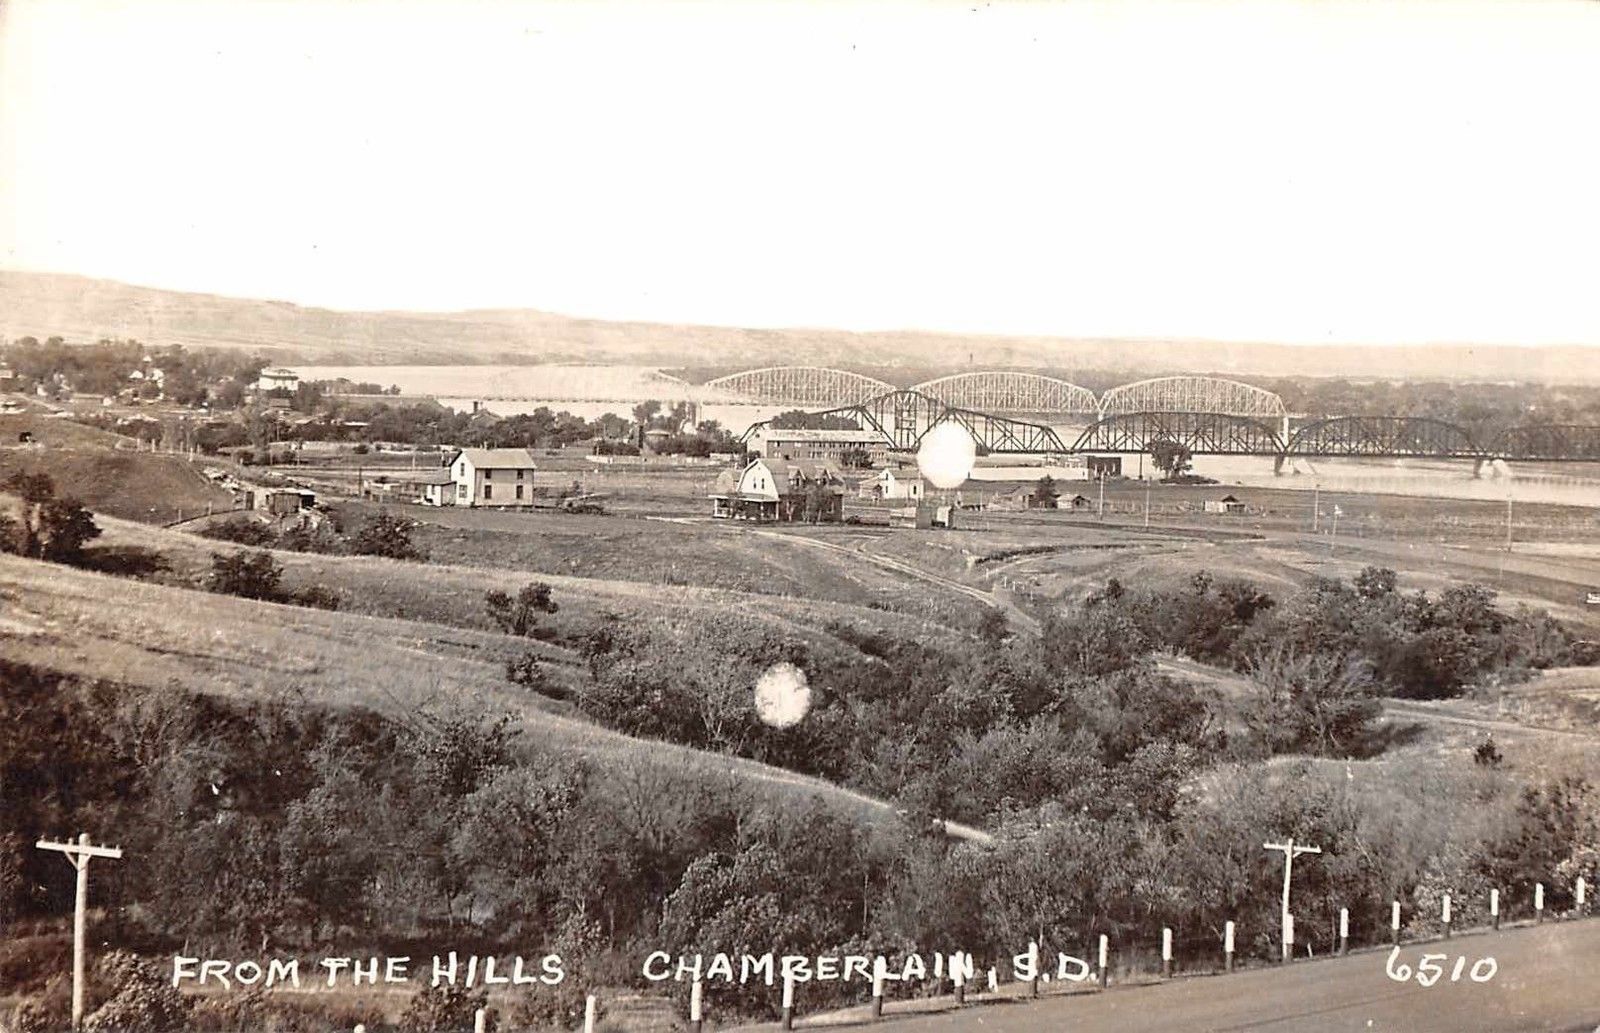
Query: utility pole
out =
(1316, 506)
(1102, 494)
(1508, 523)
(1290, 852)
(1146, 504)
(1333, 535)
(79, 854)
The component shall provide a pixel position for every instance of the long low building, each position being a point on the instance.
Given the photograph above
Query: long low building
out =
(824, 445)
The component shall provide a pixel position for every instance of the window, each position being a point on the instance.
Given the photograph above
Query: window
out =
(461, 491)
(488, 491)
(488, 474)
(519, 491)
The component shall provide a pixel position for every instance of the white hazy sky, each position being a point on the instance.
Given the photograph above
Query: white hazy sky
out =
(1322, 171)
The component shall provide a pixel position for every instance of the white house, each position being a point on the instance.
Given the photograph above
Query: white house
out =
(777, 489)
(897, 484)
(278, 380)
(493, 477)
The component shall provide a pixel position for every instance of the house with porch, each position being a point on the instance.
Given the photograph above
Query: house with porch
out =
(780, 490)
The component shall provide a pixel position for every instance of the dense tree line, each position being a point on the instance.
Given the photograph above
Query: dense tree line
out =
(283, 826)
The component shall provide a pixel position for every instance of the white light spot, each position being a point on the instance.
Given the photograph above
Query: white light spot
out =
(782, 696)
(946, 455)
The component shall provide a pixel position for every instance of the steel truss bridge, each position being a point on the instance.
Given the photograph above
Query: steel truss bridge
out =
(903, 417)
(1000, 392)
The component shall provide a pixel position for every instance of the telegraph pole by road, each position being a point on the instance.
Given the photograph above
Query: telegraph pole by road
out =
(80, 854)
(1290, 852)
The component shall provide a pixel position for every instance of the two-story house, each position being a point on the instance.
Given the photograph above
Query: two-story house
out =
(493, 477)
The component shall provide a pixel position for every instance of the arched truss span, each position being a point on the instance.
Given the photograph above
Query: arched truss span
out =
(1202, 433)
(1192, 394)
(903, 417)
(1549, 441)
(1384, 436)
(800, 386)
(1011, 392)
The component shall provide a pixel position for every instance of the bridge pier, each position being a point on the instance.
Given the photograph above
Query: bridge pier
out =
(1277, 464)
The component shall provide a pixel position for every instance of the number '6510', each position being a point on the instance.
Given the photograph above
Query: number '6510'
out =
(1429, 970)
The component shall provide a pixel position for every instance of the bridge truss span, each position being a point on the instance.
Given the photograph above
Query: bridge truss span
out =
(1002, 391)
(1384, 436)
(801, 386)
(1189, 394)
(1202, 433)
(1549, 442)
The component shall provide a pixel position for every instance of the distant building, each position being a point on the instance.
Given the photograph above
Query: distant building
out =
(493, 477)
(895, 484)
(780, 490)
(826, 445)
(278, 380)
(1226, 504)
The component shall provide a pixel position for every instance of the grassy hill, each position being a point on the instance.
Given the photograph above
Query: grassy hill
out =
(82, 309)
(134, 633)
(121, 482)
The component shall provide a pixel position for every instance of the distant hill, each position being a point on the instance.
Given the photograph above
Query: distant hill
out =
(82, 309)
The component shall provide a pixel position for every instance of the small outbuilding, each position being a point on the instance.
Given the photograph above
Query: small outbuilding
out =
(1226, 504)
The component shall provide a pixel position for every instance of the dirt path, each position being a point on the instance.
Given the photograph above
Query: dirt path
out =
(991, 599)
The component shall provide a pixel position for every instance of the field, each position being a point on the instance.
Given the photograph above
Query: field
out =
(413, 638)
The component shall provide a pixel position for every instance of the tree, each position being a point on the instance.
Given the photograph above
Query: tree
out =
(1044, 493)
(385, 535)
(520, 616)
(1313, 700)
(250, 575)
(1172, 458)
(48, 526)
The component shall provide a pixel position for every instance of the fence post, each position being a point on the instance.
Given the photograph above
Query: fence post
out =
(1444, 915)
(1538, 902)
(696, 1008)
(1166, 953)
(959, 975)
(1227, 947)
(788, 1001)
(1344, 931)
(1394, 923)
(1105, 958)
(1581, 895)
(994, 981)
(877, 989)
(1033, 964)
(591, 1007)
(480, 1021)
(1494, 908)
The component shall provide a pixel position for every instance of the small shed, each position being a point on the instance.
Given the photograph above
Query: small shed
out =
(1226, 504)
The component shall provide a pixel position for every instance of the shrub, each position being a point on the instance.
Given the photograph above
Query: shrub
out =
(385, 535)
(252, 576)
(519, 616)
(442, 1009)
(140, 1002)
(241, 530)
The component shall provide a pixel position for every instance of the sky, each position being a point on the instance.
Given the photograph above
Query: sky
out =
(1373, 172)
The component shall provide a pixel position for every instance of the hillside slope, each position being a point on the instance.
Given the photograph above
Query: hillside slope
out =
(83, 309)
(73, 622)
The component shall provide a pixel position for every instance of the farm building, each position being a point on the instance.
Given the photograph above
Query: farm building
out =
(826, 445)
(432, 487)
(778, 489)
(1226, 504)
(493, 477)
(894, 484)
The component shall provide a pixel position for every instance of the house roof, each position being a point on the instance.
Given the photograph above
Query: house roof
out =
(440, 476)
(1228, 498)
(792, 470)
(499, 458)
